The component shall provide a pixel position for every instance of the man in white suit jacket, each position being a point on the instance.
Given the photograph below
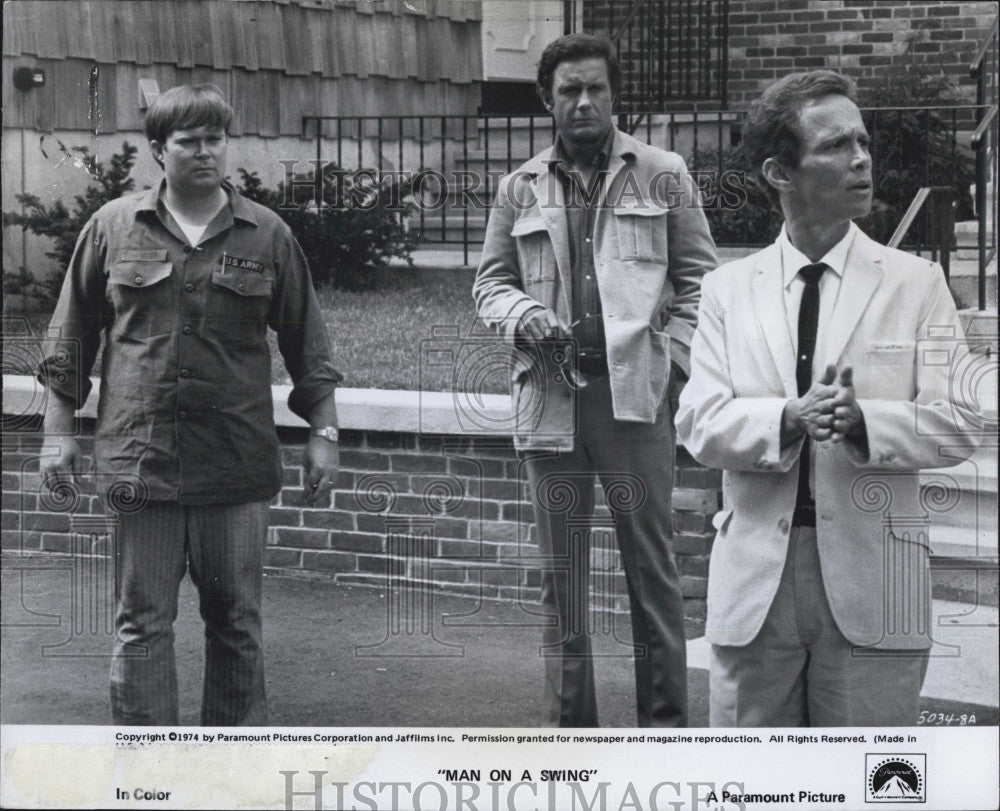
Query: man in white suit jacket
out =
(819, 589)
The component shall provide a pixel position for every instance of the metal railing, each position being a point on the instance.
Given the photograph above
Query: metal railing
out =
(457, 160)
(984, 144)
(940, 202)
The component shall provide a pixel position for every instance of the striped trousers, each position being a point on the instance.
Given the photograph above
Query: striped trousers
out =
(223, 548)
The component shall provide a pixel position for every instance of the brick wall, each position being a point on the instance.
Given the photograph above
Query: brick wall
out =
(408, 512)
(769, 38)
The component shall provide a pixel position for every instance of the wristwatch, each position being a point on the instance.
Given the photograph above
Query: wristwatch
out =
(329, 433)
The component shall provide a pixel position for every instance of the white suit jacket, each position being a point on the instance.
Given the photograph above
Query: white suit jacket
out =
(895, 323)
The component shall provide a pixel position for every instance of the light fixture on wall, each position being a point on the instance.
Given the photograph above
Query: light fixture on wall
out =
(26, 78)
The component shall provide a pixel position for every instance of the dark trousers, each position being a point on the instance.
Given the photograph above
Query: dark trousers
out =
(635, 464)
(224, 548)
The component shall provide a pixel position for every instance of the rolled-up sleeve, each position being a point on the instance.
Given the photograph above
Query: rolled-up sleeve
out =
(297, 319)
(74, 334)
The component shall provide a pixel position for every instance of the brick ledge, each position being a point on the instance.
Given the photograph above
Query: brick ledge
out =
(419, 412)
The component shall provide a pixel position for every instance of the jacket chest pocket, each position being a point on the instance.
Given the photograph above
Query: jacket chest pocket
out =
(238, 301)
(536, 257)
(890, 353)
(141, 294)
(642, 232)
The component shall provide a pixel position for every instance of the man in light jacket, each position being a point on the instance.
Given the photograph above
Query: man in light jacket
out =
(821, 383)
(592, 266)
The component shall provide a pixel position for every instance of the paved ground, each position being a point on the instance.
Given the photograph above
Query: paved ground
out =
(331, 660)
(451, 257)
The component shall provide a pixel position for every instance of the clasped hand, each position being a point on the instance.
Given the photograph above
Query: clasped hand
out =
(542, 324)
(829, 409)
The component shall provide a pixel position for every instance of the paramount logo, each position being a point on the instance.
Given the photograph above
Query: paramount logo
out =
(895, 788)
(895, 778)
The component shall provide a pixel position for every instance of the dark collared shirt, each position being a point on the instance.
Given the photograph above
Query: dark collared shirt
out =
(185, 407)
(581, 216)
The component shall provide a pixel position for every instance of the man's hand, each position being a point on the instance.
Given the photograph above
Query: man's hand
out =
(62, 461)
(320, 463)
(541, 324)
(675, 385)
(848, 421)
(812, 413)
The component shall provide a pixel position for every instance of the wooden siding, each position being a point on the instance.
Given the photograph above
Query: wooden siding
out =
(277, 60)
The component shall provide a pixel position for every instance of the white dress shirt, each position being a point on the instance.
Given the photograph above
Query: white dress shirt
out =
(792, 260)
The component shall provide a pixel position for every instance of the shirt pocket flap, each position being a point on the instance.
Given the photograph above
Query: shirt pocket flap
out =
(243, 284)
(639, 208)
(140, 272)
(721, 518)
(527, 225)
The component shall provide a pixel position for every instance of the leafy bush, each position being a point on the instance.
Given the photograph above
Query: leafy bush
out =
(63, 225)
(739, 212)
(911, 148)
(345, 239)
(355, 229)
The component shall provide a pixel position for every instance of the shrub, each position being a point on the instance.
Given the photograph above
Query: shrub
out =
(355, 229)
(911, 148)
(345, 240)
(753, 221)
(63, 225)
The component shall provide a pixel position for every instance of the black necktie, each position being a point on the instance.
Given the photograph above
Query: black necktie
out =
(805, 506)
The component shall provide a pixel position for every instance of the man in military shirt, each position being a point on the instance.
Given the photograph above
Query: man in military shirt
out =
(183, 280)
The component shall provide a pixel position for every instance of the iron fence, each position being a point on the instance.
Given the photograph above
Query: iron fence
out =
(448, 167)
(984, 70)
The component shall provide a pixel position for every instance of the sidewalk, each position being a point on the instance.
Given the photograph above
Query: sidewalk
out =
(332, 662)
(451, 257)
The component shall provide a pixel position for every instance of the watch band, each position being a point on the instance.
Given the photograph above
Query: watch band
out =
(328, 433)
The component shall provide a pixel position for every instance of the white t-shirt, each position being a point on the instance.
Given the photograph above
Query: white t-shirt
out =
(194, 231)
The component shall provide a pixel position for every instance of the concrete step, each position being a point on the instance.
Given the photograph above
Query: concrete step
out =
(967, 228)
(982, 329)
(963, 505)
(453, 219)
(963, 542)
(963, 664)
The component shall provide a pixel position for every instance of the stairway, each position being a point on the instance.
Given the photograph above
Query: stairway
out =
(964, 536)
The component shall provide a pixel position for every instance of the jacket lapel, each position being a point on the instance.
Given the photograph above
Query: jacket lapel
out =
(550, 200)
(769, 305)
(862, 275)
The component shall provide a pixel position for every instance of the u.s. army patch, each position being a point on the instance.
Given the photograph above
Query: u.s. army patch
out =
(242, 264)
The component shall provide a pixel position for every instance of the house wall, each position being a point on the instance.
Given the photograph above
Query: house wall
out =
(275, 61)
(769, 38)
(862, 38)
